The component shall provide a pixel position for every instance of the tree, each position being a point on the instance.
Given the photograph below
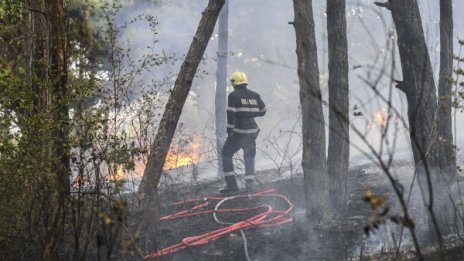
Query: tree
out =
(314, 160)
(60, 128)
(36, 102)
(338, 153)
(168, 123)
(445, 86)
(418, 84)
(221, 83)
(419, 87)
(38, 70)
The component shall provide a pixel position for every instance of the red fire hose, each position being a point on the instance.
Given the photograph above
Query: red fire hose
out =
(268, 218)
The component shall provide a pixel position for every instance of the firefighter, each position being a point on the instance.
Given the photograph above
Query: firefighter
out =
(243, 105)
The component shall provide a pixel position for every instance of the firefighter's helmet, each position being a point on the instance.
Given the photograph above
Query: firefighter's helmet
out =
(238, 78)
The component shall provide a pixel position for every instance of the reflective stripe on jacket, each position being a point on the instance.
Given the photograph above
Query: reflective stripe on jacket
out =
(243, 105)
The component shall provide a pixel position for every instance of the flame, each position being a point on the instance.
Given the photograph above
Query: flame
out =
(122, 173)
(381, 118)
(183, 153)
(119, 174)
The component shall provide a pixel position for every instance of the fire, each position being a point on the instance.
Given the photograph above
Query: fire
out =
(183, 152)
(381, 118)
(119, 174)
(122, 173)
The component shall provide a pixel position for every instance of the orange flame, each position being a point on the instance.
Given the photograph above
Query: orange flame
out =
(124, 174)
(381, 118)
(183, 153)
(119, 174)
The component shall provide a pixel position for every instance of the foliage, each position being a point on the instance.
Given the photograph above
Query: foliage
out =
(10, 11)
(111, 129)
(457, 80)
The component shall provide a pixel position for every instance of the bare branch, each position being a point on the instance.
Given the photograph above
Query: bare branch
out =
(383, 4)
(400, 85)
(32, 9)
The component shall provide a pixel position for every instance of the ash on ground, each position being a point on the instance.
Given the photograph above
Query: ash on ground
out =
(331, 240)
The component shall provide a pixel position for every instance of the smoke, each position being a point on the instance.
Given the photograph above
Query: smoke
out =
(386, 239)
(262, 44)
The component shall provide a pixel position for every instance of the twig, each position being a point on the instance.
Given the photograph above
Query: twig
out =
(383, 4)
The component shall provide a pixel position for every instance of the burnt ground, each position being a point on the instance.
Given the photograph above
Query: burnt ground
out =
(332, 240)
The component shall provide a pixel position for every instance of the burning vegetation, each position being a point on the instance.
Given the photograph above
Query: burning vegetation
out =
(381, 119)
(184, 152)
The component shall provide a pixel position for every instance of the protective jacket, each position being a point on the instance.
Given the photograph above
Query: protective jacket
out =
(243, 105)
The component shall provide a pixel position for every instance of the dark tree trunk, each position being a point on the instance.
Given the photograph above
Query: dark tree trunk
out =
(58, 77)
(445, 86)
(339, 143)
(419, 87)
(60, 127)
(314, 160)
(221, 83)
(39, 55)
(418, 83)
(172, 112)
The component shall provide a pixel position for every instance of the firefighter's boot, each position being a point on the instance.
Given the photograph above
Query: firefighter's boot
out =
(231, 186)
(249, 183)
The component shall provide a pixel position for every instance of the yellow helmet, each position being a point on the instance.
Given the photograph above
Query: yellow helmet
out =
(238, 78)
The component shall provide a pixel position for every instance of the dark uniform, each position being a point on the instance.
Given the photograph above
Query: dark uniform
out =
(243, 106)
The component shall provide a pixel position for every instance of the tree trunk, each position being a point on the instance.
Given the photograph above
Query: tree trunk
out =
(39, 55)
(58, 76)
(60, 127)
(445, 86)
(172, 112)
(339, 143)
(419, 87)
(314, 161)
(221, 83)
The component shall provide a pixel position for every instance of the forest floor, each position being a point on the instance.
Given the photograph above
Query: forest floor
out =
(346, 240)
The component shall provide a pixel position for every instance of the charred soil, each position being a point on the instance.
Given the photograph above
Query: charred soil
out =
(300, 239)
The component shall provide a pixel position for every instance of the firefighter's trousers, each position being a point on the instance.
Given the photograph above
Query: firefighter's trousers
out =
(235, 142)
